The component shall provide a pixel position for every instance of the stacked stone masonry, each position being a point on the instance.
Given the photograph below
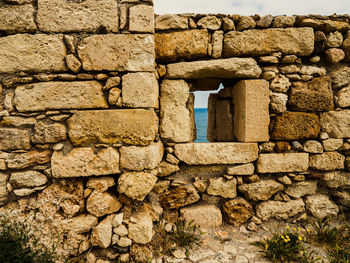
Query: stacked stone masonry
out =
(97, 123)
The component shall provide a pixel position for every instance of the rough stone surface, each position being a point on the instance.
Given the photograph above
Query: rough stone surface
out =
(344, 97)
(141, 19)
(81, 224)
(346, 46)
(327, 161)
(261, 190)
(101, 235)
(283, 21)
(13, 139)
(218, 153)
(3, 188)
(179, 196)
(73, 63)
(336, 123)
(237, 211)
(28, 159)
(219, 68)
(217, 39)
(300, 189)
(222, 187)
(100, 204)
(102, 52)
(313, 146)
(27, 179)
(320, 206)
(283, 162)
(83, 162)
(278, 102)
(296, 125)
(337, 179)
(100, 184)
(166, 169)
(136, 185)
(49, 133)
(340, 76)
(17, 18)
(335, 55)
(297, 41)
(43, 53)
(280, 84)
(204, 215)
(210, 22)
(245, 23)
(223, 121)
(331, 144)
(324, 25)
(140, 231)
(245, 169)
(280, 210)
(166, 22)
(136, 127)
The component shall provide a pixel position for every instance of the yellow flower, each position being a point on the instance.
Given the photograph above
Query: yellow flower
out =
(300, 238)
(287, 227)
(298, 228)
(282, 237)
(294, 229)
(287, 237)
(308, 230)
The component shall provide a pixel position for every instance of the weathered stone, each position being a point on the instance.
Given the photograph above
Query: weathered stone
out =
(343, 97)
(340, 76)
(312, 146)
(114, 96)
(223, 187)
(346, 46)
(17, 121)
(141, 19)
(100, 204)
(327, 161)
(124, 242)
(17, 18)
(216, 153)
(269, 59)
(73, 63)
(283, 21)
(251, 103)
(262, 190)
(80, 224)
(100, 184)
(280, 210)
(315, 95)
(136, 185)
(83, 162)
(28, 159)
(140, 158)
(331, 145)
(334, 55)
(166, 169)
(101, 235)
(336, 123)
(245, 169)
(140, 231)
(42, 53)
(228, 24)
(121, 230)
(300, 189)
(217, 39)
(166, 22)
(27, 179)
(131, 126)
(278, 102)
(280, 84)
(204, 215)
(59, 95)
(283, 162)
(187, 45)
(285, 180)
(219, 68)
(13, 139)
(337, 179)
(111, 83)
(295, 126)
(210, 22)
(264, 21)
(140, 90)
(27, 191)
(179, 196)
(3, 188)
(237, 211)
(224, 121)
(297, 41)
(102, 52)
(49, 133)
(320, 206)
(246, 22)
(325, 25)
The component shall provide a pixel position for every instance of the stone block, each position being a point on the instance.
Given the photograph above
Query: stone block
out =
(141, 230)
(296, 41)
(301, 189)
(237, 211)
(320, 206)
(27, 179)
(327, 161)
(222, 187)
(189, 45)
(337, 179)
(245, 169)
(204, 215)
(224, 121)
(49, 132)
(166, 22)
(216, 153)
(103, 52)
(344, 97)
(32, 53)
(17, 18)
(83, 162)
(325, 25)
(135, 127)
(346, 46)
(340, 75)
(100, 204)
(211, 129)
(251, 110)
(218, 68)
(14, 139)
(261, 190)
(336, 123)
(283, 162)
(280, 210)
(59, 95)
(179, 197)
(3, 188)
(141, 19)
(140, 90)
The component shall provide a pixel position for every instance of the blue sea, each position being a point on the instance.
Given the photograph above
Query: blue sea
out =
(201, 116)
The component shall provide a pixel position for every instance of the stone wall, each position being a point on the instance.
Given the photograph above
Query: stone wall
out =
(97, 121)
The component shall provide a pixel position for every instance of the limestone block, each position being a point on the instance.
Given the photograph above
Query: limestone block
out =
(283, 21)
(103, 52)
(189, 45)
(222, 187)
(245, 169)
(346, 46)
(327, 161)
(140, 158)
(135, 127)
(224, 121)
(216, 153)
(166, 22)
(28, 159)
(261, 190)
(280, 210)
(211, 129)
(49, 133)
(69, 16)
(245, 23)
(313, 146)
(14, 139)
(140, 231)
(315, 95)
(204, 215)
(296, 125)
(166, 169)
(100, 184)
(219, 68)
(251, 110)
(33, 53)
(283, 162)
(344, 97)
(340, 75)
(140, 90)
(16, 121)
(100, 204)
(101, 235)
(141, 19)
(83, 162)
(210, 22)
(300, 189)
(297, 41)
(237, 211)
(331, 144)
(179, 196)
(320, 206)
(27, 179)
(59, 95)
(337, 179)
(80, 224)
(3, 188)
(336, 123)
(334, 55)
(17, 18)
(218, 39)
(325, 25)
(278, 102)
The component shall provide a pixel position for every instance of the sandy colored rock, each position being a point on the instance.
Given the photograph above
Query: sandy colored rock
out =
(346, 46)
(331, 144)
(224, 121)
(237, 211)
(187, 45)
(83, 162)
(222, 187)
(179, 196)
(166, 22)
(49, 133)
(16, 121)
(17, 18)
(73, 63)
(261, 190)
(246, 22)
(278, 102)
(219, 68)
(140, 231)
(313, 146)
(297, 41)
(334, 55)
(245, 169)
(320, 206)
(251, 110)
(217, 39)
(80, 224)
(283, 162)
(327, 161)
(102, 52)
(280, 84)
(68, 16)
(100, 204)
(301, 189)
(337, 179)
(209, 22)
(14, 139)
(140, 90)
(27, 179)
(141, 18)
(265, 21)
(59, 95)
(166, 169)
(325, 25)
(28, 159)
(101, 235)
(136, 185)
(340, 75)
(3, 188)
(344, 97)
(296, 125)
(100, 184)
(283, 21)
(280, 210)
(204, 215)
(216, 153)
(336, 123)
(135, 127)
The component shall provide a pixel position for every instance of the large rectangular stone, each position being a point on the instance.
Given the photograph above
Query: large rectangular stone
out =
(17, 18)
(218, 68)
(32, 53)
(14, 139)
(60, 95)
(216, 153)
(283, 162)
(134, 127)
(336, 123)
(211, 129)
(74, 16)
(251, 110)
(297, 41)
(224, 121)
(117, 52)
